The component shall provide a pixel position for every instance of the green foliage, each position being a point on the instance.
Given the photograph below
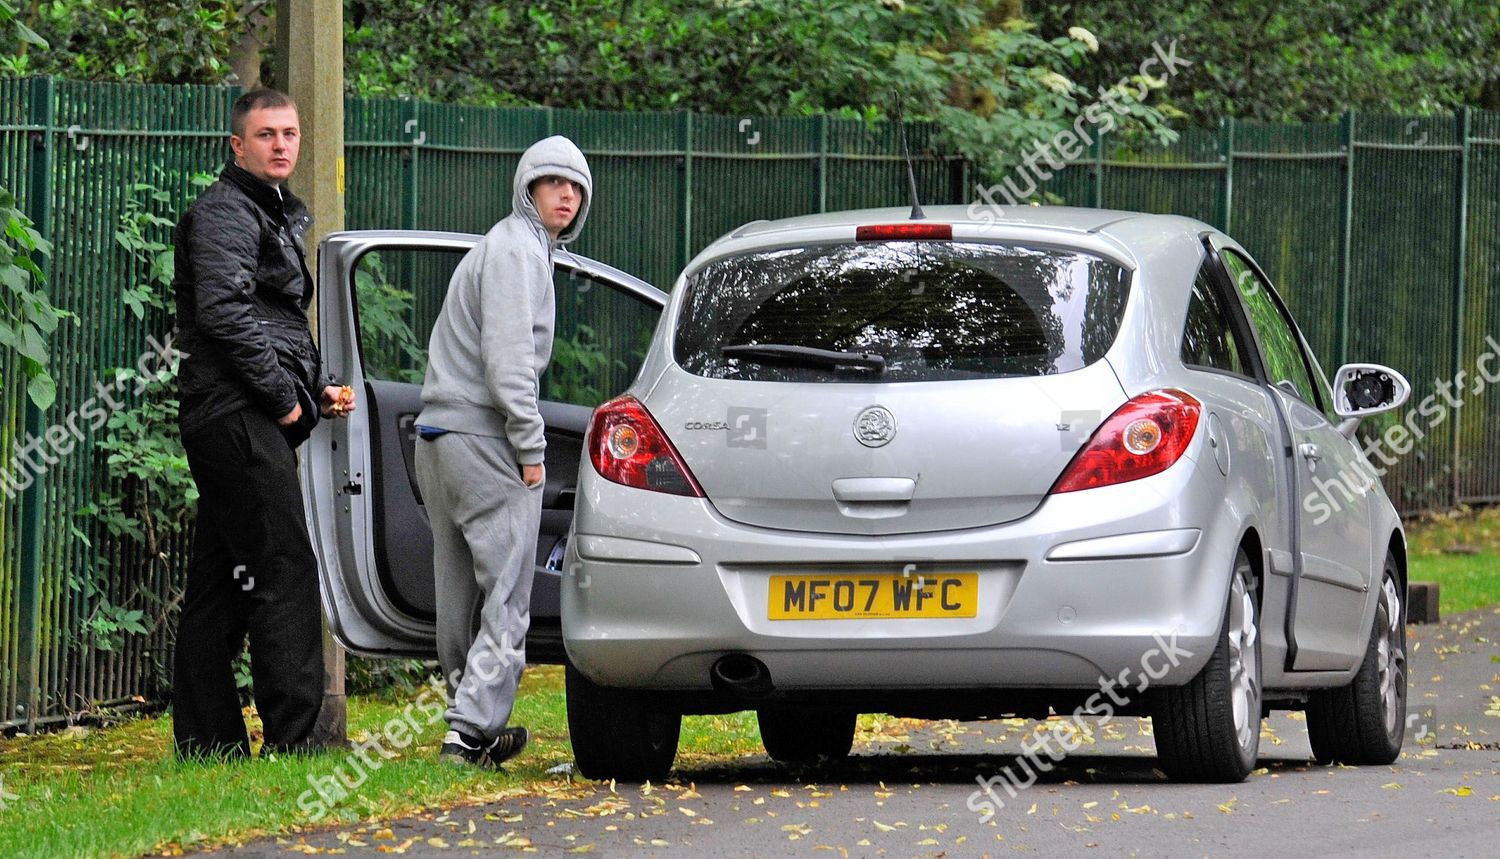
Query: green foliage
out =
(992, 85)
(579, 364)
(140, 233)
(391, 349)
(151, 496)
(27, 316)
(399, 679)
(854, 57)
(130, 40)
(1305, 62)
(14, 29)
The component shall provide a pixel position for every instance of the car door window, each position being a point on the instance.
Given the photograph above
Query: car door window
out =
(398, 294)
(599, 341)
(1279, 347)
(1208, 336)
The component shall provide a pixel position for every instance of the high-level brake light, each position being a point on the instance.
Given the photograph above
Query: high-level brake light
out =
(902, 232)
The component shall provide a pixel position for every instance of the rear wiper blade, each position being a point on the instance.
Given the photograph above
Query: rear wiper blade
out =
(806, 356)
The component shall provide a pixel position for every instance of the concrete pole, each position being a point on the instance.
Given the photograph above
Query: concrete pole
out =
(310, 68)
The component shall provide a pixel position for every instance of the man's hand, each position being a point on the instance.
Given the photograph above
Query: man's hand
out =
(291, 417)
(338, 401)
(531, 475)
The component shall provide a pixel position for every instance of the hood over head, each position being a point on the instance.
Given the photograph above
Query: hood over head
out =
(553, 156)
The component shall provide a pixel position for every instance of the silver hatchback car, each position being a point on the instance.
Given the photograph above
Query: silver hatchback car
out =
(977, 468)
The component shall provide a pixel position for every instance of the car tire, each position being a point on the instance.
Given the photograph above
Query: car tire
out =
(803, 735)
(1364, 722)
(1208, 730)
(618, 733)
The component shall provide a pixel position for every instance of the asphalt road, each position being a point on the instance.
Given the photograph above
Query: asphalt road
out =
(911, 791)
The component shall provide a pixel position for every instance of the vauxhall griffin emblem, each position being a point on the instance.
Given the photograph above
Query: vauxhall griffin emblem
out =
(875, 426)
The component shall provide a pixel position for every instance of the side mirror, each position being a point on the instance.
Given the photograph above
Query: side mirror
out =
(1361, 390)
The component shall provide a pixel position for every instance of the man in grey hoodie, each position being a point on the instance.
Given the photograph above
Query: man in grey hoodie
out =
(479, 463)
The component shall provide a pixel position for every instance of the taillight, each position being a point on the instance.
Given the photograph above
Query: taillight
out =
(902, 232)
(627, 446)
(1143, 437)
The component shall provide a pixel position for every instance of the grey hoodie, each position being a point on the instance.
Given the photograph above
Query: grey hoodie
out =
(493, 338)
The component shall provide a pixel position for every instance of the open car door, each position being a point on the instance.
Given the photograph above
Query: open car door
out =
(379, 293)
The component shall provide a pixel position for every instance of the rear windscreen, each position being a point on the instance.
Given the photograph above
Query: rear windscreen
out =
(899, 312)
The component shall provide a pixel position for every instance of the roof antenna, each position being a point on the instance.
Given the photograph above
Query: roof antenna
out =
(911, 177)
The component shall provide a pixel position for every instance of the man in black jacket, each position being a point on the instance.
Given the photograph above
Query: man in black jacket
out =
(251, 389)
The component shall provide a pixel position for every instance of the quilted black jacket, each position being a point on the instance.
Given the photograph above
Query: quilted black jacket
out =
(242, 291)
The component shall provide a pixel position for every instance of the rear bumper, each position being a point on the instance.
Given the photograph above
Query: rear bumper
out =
(1129, 581)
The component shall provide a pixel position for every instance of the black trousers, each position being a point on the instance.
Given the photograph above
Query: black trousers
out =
(252, 572)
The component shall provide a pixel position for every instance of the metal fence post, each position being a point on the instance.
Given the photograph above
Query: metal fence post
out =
(1098, 183)
(411, 127)
(1460, 274)
(1226, 154)
(1346, 241)
(39, 210)
(686, 141)
(822, 162)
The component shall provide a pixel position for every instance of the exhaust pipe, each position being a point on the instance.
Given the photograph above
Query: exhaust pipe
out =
(740, 675)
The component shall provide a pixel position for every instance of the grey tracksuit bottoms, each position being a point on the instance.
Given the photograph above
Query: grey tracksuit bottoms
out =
(484, 529)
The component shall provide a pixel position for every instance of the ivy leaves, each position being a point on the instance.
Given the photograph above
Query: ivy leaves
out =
(27, 316)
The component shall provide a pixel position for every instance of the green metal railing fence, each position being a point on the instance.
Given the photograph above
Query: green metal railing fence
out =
(72, 151)
(1382, 232)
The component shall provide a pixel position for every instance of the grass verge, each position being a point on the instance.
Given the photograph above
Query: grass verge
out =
(1461, 552)
(119, 792)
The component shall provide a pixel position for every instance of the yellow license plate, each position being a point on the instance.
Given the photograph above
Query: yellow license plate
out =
(873, 595)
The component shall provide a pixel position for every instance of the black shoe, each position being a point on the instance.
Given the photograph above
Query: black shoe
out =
(506, 746)
(462, 750)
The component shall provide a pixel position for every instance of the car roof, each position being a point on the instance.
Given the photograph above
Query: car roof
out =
(1128, 236)
(1062, 217)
